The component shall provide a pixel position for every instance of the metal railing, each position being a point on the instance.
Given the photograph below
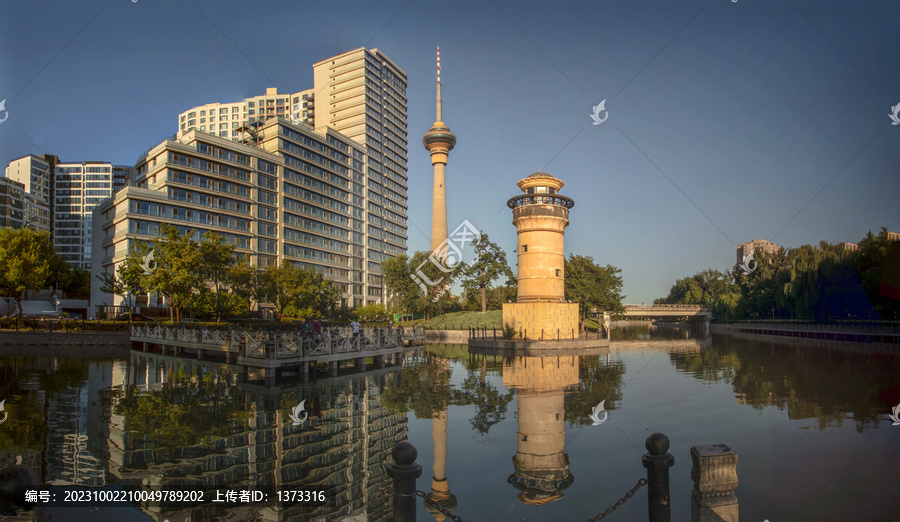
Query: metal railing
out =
(278, 345)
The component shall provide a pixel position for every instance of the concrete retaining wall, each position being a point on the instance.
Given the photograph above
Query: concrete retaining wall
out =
(91, 344)
(446, 336)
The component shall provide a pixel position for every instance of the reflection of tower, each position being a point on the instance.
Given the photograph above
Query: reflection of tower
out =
(541, 466)
(439, 141)
(541, 216)
(440, 486)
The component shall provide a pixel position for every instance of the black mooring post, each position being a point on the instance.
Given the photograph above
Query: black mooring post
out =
(658, 460)
(404, 471)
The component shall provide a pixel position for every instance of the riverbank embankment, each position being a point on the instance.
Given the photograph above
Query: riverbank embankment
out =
(864, 336)
(74, 344)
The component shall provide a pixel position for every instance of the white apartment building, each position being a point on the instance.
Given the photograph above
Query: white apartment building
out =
(226, 119)
(296, 195)
(363, 107)
(77, 189)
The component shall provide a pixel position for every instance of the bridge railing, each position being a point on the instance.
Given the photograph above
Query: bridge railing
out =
(663, 307)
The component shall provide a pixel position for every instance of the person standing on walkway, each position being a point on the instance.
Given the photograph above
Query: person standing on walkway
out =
(355, 326)
(317, 329)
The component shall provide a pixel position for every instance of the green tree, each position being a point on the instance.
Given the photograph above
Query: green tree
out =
(370, 312)
(24, 262)
(402, 290)
(245, 282)
(593, 286)
(292, 288)
(489, 264)
(177, 272)
(217, 263)
(127, 280)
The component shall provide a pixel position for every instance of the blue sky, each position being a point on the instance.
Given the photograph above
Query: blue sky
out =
(728, 121)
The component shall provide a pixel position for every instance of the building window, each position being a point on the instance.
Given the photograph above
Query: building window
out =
(524, 248)
(558, 272)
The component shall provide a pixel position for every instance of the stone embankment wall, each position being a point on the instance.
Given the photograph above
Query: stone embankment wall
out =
(446, 336)
(90, 344)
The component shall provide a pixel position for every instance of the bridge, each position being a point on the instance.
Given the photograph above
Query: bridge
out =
(274, 351)
(689, 312)
(667, 310)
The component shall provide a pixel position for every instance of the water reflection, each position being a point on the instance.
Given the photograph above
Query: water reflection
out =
(541, 466)
(172, 421)
(828, 381)
(190, 422)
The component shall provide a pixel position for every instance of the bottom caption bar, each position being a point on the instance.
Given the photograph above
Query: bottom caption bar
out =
(117, 495)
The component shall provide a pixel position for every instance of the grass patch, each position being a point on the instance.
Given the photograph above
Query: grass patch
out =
(466, 320)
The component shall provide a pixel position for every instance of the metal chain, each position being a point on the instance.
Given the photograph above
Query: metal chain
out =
(450, 515)
(389, 490)
(621, 501)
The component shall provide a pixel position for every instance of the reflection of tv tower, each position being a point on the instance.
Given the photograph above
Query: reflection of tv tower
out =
(440, 486)
(541, 466)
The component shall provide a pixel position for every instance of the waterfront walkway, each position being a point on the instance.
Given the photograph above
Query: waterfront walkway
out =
(274, 351)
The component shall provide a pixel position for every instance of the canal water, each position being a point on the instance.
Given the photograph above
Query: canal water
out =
(512, 439)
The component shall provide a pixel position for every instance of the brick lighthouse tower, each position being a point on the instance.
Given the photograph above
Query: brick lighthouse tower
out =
(541, 216)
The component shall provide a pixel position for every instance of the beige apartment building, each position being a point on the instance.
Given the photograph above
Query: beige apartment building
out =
(340, 200)
(296, 195)
(757, 245)
(34, 173)
(21, 209)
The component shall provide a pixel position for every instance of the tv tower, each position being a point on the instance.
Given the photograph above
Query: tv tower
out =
(439, 141)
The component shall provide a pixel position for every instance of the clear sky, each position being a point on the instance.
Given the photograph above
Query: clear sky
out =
(727, 121)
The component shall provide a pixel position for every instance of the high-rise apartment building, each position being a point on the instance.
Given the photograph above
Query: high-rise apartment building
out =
(77, 189)
(227, 119)
(758, 245)
(355, 115)
(34, 172)
(19, 208)
(362, 94)
(296, 195)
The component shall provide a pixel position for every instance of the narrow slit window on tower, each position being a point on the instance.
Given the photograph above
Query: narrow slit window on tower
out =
(524, 248)
(558, 273)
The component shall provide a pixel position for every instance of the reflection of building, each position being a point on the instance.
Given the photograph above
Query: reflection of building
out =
(757, 245)
(344, 443)
(541, 465)
(74, 427)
